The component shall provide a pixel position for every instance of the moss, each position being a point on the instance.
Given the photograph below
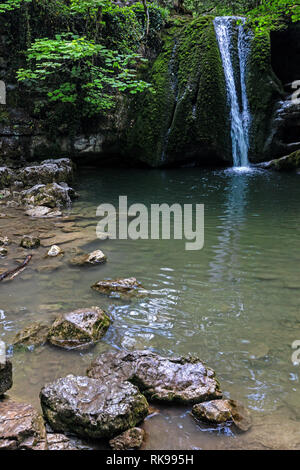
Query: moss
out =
(264, 90)
(187, 113)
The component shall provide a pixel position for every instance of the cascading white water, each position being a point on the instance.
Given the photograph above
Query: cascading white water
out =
(225, 27)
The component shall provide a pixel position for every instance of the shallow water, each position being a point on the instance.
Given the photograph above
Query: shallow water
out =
(235, 303)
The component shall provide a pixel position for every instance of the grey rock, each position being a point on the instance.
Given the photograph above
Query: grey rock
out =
(183, 380)
(30, 242)
(21, 427)
(79, 329)
(60, 442)
(43, 212)
(96, 257)
(52, 195)
(224, 411)
(35, 334)
(125, 287)
(91, 408)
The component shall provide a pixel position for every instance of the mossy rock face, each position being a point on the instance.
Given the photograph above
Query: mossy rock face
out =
(186, 118)
(288, 163)
(223, 412)
(79, 329)
(264, 91)
(91, 408)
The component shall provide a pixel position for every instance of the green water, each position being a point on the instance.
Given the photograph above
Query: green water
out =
(235, 303)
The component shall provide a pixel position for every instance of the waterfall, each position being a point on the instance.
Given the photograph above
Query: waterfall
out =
(226, 27)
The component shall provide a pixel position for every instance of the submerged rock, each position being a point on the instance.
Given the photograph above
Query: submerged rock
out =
(287, 163)
(223, 411)
(30, 242)
(96, 257)
(35, 334)
(129, 286)
(43, 212)
(128, 440)
(6, 381)
(55, 251)
(5, 241)
(183, 380)
(79, 329)
(91, 408)
(21, 427)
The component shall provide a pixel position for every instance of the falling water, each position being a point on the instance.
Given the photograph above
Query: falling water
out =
(225, 27)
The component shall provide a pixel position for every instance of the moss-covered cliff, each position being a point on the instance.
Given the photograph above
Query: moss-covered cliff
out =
(186, 118)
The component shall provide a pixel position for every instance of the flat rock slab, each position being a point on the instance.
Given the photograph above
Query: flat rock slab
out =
(183, 380)
(60, 442)
(91, 408)
(124, 287)
(5, 377)
(79, 329)
(128, 440)
(224, 411)
(21, 427)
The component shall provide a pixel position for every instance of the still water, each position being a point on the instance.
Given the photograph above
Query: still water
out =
(235, 303)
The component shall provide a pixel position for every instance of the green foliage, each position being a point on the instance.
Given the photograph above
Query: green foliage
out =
(73, 69)
(10, 5)
(270, 13)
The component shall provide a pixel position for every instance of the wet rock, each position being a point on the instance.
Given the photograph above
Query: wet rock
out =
(223, 411)
(131, 439)
(49, 171)
(79, 329)
(43, 212)
(91, 408)
(55, 251)
(21, 427)
(3, 251)
(287, 163)
(51, 195)
(30, 242)
(60, 442)
(6, 177)
(35, 334)
(127, 287)
(96, 257)
(183, 380)
(5, 241)
(5, 377)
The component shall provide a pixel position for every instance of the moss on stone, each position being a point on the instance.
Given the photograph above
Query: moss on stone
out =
(186, 117)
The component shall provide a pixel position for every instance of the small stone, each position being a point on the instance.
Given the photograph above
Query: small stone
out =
(21, 427)
(55, 251)
(29, 242)
(35, 334)
(5, 241)
(129, 286)
(96, 257)
(223, 411)
(79, 329)
(128, 440)
(3, 251)
(5, 377)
